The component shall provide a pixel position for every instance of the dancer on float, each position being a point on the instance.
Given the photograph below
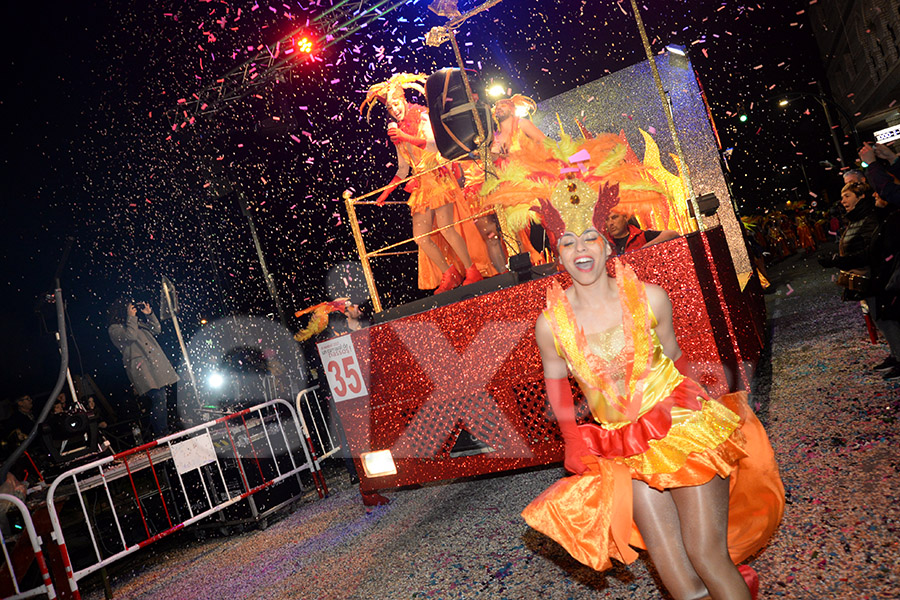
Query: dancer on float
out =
(661, 466)
(516, 134)
(509, 139)
(433, 194)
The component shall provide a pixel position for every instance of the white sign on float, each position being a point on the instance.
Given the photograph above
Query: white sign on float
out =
(342, 369)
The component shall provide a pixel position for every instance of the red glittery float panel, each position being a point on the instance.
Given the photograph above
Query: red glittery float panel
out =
(474, 366)
(718, 326)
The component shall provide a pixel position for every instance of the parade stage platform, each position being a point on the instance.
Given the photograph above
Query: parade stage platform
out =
(458, 390)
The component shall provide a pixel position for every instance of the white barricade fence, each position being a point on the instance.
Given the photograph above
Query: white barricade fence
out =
(319, 415)
(18, 554)
(112, 507)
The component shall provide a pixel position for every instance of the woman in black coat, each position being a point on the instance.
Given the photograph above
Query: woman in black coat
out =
(866, 257)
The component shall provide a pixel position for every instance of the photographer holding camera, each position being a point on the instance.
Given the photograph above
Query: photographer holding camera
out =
(148, 369)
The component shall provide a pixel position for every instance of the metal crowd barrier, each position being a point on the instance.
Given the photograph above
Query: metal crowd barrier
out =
(323, 426)
(112, 507)
(18, 559)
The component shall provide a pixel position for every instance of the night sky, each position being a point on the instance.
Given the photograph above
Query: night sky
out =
(90, 153)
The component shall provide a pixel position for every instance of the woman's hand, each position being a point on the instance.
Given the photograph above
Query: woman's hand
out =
(132, 311)
(867, 153)
(398, 136)
(145, 308)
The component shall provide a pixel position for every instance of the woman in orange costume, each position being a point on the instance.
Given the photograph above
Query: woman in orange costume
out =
(435, 191)
(662, 466)
(804, 235)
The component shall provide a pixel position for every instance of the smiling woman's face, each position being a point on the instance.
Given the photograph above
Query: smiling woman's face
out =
(583, 256)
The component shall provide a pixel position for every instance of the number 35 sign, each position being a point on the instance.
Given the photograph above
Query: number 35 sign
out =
(342, 369)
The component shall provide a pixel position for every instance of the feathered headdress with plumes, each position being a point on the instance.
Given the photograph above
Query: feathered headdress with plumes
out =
(576, 174)
(318, 321)
(393, 87)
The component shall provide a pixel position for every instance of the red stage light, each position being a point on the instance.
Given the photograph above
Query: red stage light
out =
(304, 44)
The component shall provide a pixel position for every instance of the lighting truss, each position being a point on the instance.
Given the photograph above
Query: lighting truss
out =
(274, 62)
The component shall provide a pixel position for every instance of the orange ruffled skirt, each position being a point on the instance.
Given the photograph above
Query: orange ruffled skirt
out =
(433, 191)
(591, 515)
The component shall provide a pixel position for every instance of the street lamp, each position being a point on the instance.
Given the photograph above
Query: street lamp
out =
(824, 100)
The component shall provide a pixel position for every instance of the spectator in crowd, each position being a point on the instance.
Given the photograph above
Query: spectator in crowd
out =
(145, 363)
(21, 422)
(886, 307)
(863, 253)
(350, 320)
(854, 176)
(883, 171)
(625, 235)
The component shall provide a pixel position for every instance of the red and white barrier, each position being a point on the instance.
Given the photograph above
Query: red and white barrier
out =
(19, 558)
(191, 474)
(321, 428)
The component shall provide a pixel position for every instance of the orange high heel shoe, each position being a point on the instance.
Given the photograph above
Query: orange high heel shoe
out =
(449, 280)
(472, 275)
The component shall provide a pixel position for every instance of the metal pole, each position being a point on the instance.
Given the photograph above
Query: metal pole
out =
(184, 352)
(270, 283)
(670, 119)
(831, 128)
(805, 178)
(361, 249)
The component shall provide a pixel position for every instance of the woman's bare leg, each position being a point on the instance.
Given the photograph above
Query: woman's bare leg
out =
(703, 512)
(444, 216)
(490, 232)
(656, 516)
(422, 223)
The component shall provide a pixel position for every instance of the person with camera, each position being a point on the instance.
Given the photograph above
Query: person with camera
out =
(863, 258)
(146, 365)
(882, 171)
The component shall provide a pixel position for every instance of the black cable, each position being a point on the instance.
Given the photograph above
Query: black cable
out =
(60, 381)
(75, 344)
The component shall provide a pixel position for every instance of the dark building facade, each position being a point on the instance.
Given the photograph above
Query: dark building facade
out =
(859, 41)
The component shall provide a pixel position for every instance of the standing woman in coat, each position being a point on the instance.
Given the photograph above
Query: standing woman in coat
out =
(866, 259)
(146, 365)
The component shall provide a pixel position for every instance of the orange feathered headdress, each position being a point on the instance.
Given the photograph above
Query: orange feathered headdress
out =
(393, 87)
(319, 319)
(518, 103)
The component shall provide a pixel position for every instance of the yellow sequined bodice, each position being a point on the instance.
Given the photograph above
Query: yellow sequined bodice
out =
(622, 371)
(659, 383)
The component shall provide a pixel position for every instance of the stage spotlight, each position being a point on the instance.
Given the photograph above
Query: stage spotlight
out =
(215, 380)
(304, 44)
(496, 90)
(378, 463)
(676, 49)
(783, 102)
